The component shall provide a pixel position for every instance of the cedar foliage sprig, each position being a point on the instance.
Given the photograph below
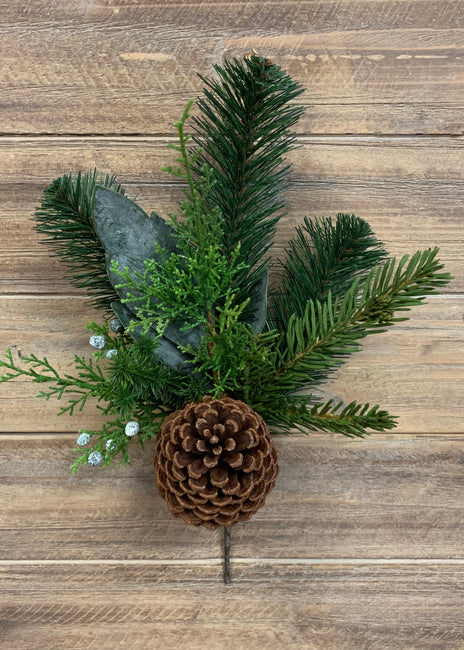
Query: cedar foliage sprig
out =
(202, 225)
(196, 286)
(132, 385)
(225, 351)
(189, 286)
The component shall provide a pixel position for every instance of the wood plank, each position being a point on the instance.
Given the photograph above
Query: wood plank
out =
(386, 496)
(410, 190)
(301, 607)
(416, 370)
(389, 496)
(114, 514)
(125, 67)
(58, 330)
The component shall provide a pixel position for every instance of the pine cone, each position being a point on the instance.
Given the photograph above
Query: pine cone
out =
(215, 462)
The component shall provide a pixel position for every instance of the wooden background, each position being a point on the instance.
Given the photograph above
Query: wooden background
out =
(360, 545)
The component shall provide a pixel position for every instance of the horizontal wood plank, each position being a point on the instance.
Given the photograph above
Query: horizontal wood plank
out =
(410, 191)
(114, 514)
(275, 606)
(369, 66)
(416, 370)
(389, 496)
(360, 543)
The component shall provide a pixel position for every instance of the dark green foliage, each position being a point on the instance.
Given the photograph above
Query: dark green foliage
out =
(319, 341)
(179, 294)
(132, 385)
(324, 256)
(165, 351)
(65, 218)
(244, 130)
(352, 420)
(171, 281)
(223, 355)
(89, 381)
(132, 240)
(193, 296)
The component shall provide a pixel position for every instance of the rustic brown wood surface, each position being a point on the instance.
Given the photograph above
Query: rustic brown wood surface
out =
(413, 185)
(401, 368)
(125, 67)
(301, 605)
(360, 545)
(391, 496)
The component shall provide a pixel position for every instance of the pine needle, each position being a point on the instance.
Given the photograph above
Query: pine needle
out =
(324, 256)
(244, 132)
(65, 218)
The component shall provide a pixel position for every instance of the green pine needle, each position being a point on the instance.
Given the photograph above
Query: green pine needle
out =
(352, 420)
(324, 256)
(319, 341)
(65, 218)
(244, 132)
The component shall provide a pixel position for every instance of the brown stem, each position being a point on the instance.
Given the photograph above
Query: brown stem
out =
(227, 542)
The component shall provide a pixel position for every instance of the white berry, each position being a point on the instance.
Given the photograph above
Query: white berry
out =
(97, 341)
(83, 439)
(95, 458)
(111, 353)
(132, 429)
(110, 444)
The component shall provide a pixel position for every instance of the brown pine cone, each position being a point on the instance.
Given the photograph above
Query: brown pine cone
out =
(215, 462)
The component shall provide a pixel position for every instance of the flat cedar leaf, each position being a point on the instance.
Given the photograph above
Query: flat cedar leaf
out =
(129, 237)
(174, 332)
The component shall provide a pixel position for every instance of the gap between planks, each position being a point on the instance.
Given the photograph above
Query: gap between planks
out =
(162, 138)
(244, 561)
(380, 437)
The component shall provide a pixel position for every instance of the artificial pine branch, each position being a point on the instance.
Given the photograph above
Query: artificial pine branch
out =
(65, 218)
(352, 420)
(321, 339)
(244, 131)
(323, 256)
(191, 287)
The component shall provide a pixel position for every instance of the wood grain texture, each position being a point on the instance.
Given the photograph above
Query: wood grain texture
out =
(337, 607)
(359, 545)
(416, 370)
(369, 66)
(114, 514)
(389, 496)
(410, 190)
